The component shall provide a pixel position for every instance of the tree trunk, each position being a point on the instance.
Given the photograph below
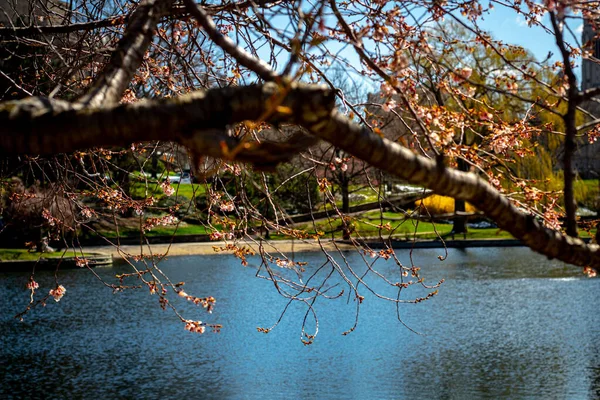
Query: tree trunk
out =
(460, 222)
(344, 187)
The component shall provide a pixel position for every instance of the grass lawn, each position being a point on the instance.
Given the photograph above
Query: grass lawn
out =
(589, 184)
(586, 192)
(393, 224)
(186, 229)
(399, 228)
(187, 190)
(183, 229)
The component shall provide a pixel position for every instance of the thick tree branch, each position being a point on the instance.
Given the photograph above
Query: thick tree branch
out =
(44, 126)
(114, 79)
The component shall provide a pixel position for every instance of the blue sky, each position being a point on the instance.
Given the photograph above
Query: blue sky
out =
(506, 25)
(502, 23)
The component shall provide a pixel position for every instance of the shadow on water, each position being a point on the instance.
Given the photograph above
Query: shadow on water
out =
(506, 324)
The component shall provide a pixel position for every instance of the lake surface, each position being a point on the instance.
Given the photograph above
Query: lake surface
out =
(506, 324)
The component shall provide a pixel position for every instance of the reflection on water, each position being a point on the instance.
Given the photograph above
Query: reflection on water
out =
(507, 323)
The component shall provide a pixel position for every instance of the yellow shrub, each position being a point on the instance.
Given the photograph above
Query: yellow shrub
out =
(437, 204)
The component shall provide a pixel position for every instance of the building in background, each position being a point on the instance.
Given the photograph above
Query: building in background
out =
(590, 68)
(587, 158)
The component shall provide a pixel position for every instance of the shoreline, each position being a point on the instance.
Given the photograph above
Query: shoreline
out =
(289, 246)
(280, 246)
(207, 248)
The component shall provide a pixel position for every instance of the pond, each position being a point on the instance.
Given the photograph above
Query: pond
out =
(506, 323)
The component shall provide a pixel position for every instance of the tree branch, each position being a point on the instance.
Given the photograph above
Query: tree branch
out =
(175, 11)
(590, 93)
(61, 29)
(246, 59)
(114, 79)
(49, 126)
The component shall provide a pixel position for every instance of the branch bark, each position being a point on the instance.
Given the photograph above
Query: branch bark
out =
(114, 79)
(50, 126)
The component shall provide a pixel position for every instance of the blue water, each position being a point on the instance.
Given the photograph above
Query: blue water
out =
(507, 323)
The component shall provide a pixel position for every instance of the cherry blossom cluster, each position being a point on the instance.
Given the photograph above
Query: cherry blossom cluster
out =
(58, 293)
(341, 162)
(81, 262)
(167, 188)
(87, 212)
(162, 221)
(47, 215)
(207, 302)
(32, 285)
(218, 235)
(240, 252)
(285, 263)
(195, 326)
(227, 206)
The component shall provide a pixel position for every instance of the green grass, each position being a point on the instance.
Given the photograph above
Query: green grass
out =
(586, 192)
(182, 230)
(590, 184)
(187, 229)
(401, 229)
(25, 255)
(187, 190)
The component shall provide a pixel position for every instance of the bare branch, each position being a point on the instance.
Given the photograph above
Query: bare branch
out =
(115, 78)
(60, 29)
(261, 68)
(175, 11)
(590, 93)
(589, 124)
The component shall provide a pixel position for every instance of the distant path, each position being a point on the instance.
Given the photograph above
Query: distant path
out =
(207, 248)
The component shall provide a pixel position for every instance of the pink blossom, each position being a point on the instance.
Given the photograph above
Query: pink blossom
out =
(389, 105)
(284, 263)
(462, 74)
(58, 293)
(216, 236)
(227, 206)
(48, 217)
(81, 262)
(386, 89)
(167, 188)
(590, 272)
(87, 212)
(194, 326)
(32, 285)
(550, 5)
